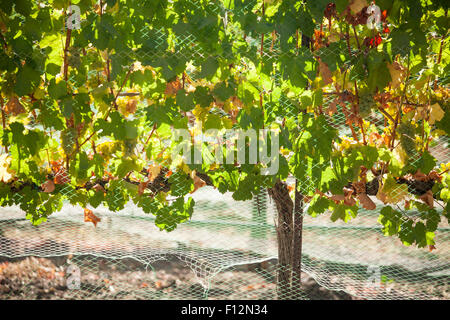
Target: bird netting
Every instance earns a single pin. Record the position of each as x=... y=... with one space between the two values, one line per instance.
x=227 y=250
x=222 y=248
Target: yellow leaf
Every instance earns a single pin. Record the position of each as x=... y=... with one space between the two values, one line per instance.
x=420 y=114
x=334 y=37
x=114 y=8
x=436 y=113
x=5 y=173
x=397 y=72
x=39 y=93
x=104 y=54
x=392 y=192
x=200 y=113
x=227 y=123
x=185 y=168
x=153 y=172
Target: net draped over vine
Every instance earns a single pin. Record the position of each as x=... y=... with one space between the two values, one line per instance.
x=226 y=249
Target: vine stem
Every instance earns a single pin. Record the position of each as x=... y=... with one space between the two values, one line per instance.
x=261 y=94
x=399 y=111
x=354 y=133
x=3 y=117
x=107 y=69
x=118 y=94
x=346 y=114
x=87 y=139
x=347 y=38
x=109 y=110
x=108 y=77
x=66 y=77
x=66 y=50
x=360 y=122
x=361 y=125
x=262 y=35
x=387 y=115
x=123 y=83
x=148 y=139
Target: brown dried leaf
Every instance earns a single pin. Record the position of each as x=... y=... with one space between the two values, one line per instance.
x=131 y=106
x=332 y=109
x=376 y=139
x=360 y=187
x=366 y=202
x=99 y=187
x=407 y=204
x=337 y=198
x=3 y=27
x=14 y=107
x=173 y=87
x=48 y=186
x=142 y=187
x=198 y=183
x=320 y=193
x=61 y=176
x=237 y=102
x=397 y=72
x=433 y=175
x=428 y=198
x=436 y=113
x=325 y=73
x=89 y=216
x=349 y=201
x=420 y=176
x=158 y=285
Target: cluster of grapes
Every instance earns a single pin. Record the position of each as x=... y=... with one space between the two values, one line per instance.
x=107 y=149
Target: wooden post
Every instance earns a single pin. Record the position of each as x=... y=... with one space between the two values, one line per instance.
x=297 y=243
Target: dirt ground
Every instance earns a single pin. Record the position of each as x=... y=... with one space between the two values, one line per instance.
x=53 y=278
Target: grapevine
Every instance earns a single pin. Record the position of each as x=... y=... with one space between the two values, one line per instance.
x=88 y=114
